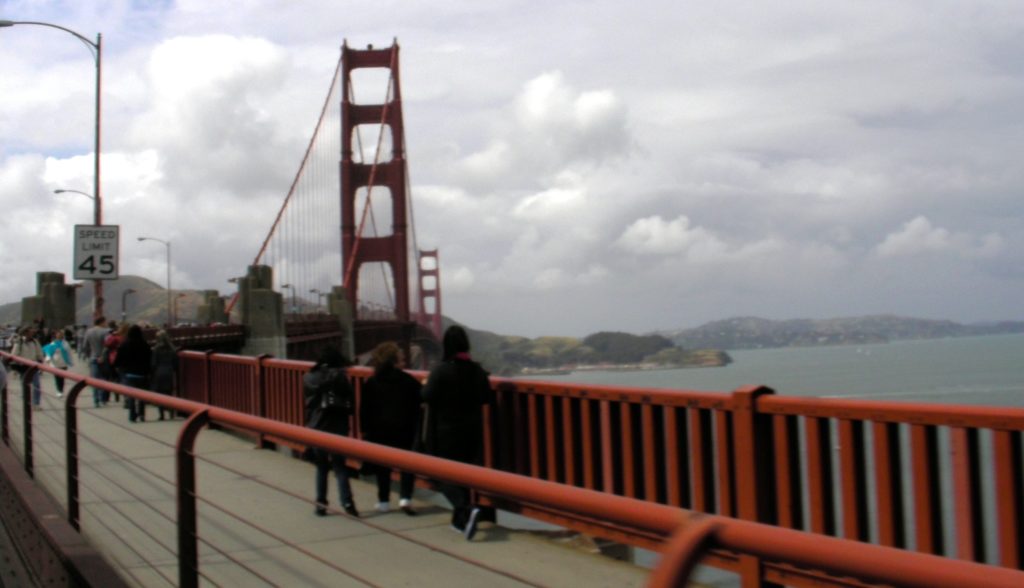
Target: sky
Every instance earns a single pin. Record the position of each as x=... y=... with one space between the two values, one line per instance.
x=581 y=166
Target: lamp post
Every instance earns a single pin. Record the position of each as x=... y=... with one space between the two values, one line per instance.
x=176 y=299
x=96 y=48
x=124 y=300
x=293 y=294
x=167 y=244
x=319 y=296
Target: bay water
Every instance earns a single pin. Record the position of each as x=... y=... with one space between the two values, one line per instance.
x=964 y=370
x=983 y=371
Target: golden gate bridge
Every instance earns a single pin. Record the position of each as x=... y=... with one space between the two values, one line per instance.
x=355 y=170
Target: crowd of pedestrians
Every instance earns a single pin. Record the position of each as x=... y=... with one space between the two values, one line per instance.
x=116 y=353
x=442 y=416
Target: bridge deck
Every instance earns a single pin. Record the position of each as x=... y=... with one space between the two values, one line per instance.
x=129 y=509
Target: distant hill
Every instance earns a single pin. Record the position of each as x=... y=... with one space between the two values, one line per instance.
x=148 y=303
x=511 y=355
x=755 y=333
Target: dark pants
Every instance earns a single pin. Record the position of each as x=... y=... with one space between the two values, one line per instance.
x=406 y=482
x=136 y=408
x=326 y=461
x=58 y=382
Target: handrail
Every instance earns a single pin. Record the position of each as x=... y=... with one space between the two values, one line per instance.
x=864 y=562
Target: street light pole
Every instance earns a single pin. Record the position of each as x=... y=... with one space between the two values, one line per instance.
x=124 y=300
x=293 y=294
x=96 y=48
x=167 y=244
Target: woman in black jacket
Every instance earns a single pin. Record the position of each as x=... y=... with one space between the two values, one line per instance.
x=389 y=413
x=455 y=394
x=328 y=400
x=133 y=364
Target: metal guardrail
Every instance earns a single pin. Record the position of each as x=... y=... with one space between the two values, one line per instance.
x=762 y=553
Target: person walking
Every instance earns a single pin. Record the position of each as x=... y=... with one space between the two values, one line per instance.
x=455 y=393
x=164 y=366
x=96 y=353
x=58 y=354
x=389 y=412
x=133 y=361
x=28 y=347
x=328 y=404
x=117 y=335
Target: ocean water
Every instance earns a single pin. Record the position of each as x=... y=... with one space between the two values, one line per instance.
x=965 y=370
x=984 y=371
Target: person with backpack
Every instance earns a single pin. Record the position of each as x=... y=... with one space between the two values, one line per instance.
x=28 y=347
x=329 y=401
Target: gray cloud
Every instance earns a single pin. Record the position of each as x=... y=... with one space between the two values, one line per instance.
x=622 y=167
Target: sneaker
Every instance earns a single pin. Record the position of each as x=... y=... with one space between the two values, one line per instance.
x=321 y=511
x=474 y=518
x=383 y=507
x=406 y=505
x=60 y=395
x=350 y=509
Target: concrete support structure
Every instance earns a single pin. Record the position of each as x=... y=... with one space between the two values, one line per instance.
x=54 y=302
x=339 y=306
x=262 y=311
x=211 y=310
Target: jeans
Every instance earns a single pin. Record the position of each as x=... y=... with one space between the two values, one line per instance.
x=95 y=371
x=326 y=461
x=136 y=408
x=37 y=390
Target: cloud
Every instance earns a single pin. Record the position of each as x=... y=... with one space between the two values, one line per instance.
x=656 y=236
x=919 y=237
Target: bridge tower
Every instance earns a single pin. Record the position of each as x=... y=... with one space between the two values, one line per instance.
x=358 y=249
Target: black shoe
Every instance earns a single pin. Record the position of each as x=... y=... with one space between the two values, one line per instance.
x=350 y=509
x=321 y=510
x=474 y=518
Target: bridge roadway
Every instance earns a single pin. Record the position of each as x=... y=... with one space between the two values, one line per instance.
x=128 y=513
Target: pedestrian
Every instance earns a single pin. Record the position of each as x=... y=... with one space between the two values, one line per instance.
x=96 y=353
x=164 y=366
x=58 y=354
x=112 y=341
x=328 y=405
x=455 y=393
x=133 y=361
x=389 y=411
x=28 y=347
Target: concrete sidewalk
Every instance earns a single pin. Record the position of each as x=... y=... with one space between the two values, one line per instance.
x=129 y=509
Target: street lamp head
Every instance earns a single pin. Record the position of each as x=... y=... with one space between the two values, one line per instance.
x=6 y=23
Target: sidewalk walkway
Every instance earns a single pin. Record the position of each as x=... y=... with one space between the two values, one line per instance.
x=255 y=504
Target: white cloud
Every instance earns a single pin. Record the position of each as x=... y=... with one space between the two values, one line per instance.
x=656 y=236
x=918 y=237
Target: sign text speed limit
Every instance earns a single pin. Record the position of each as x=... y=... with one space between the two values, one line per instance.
x=96 y=252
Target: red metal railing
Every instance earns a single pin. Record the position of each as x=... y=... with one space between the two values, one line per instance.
x=831 y=466
x=760 y=552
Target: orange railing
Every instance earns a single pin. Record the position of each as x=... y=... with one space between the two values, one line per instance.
x=834 y=467
x=757 y=551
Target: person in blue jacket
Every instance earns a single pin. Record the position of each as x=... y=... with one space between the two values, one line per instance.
x=58 y=354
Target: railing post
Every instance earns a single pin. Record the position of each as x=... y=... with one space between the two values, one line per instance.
x=26 y=413
x=4 y=433
x=207 y=377
x=71 y=452
x=188 y=538
x=260 y=391
x=752 y=440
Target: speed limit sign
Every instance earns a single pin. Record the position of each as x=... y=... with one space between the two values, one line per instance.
x=96 y=252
